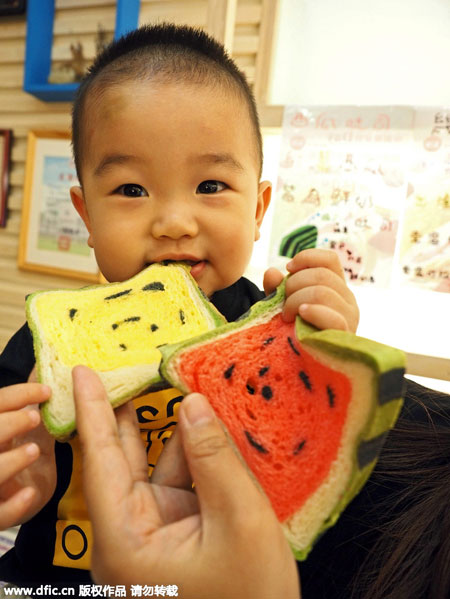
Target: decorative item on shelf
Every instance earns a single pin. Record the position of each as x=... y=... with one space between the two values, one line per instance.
x=73 y=70
x=5 y=153
x=103 y=38
x=53 y=239
x=70 y=71
x=40 y=16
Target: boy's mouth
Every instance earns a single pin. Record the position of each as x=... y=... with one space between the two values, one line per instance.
x=197 y=266
x=188 y=262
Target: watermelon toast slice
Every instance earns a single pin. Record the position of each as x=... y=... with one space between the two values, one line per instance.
x=114 y=329
x=308 y=410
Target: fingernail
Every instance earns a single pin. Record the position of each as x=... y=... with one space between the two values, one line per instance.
x=197 y=410
x=303 y=308
x=32 y=449
x=290 y=264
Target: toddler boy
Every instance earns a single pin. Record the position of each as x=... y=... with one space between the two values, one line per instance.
x=168 y=153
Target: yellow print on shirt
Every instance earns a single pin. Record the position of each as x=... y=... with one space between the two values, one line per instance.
x=157 y=416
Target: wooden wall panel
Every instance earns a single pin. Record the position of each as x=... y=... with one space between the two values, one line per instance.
x=78 y=20
x=22 y=112
x=191 y=13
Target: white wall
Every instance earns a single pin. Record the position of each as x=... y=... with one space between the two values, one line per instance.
x=366 y=52
x=362 y=52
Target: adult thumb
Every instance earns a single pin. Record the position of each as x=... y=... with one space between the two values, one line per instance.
x=221 y=479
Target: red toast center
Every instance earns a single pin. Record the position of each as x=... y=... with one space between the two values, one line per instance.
x=284 y=409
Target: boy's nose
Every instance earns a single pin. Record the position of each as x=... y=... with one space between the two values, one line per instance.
x=174 y=222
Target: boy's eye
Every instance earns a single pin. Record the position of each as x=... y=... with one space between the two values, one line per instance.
x=131 y=190
x=211 y=187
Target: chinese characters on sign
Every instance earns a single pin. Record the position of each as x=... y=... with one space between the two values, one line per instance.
x=349 y=178
x=425 y=240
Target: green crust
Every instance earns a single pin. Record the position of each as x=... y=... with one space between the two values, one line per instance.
x=386 y=363
x=300 y=239
x=64 y=431
x=381 y=359
x=67 y=431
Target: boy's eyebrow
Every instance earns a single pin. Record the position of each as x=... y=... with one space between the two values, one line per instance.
x=221 y=158
x=211 y=158
x=110 y=160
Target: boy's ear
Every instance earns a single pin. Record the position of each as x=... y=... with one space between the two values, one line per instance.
x=77 y=196
x=264 y=195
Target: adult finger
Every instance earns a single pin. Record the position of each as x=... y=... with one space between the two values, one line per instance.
x=130 y=439
x=220 y=477
x=106 y=474
x=172 y=469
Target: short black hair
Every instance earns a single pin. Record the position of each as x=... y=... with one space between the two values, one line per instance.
x=162 y=52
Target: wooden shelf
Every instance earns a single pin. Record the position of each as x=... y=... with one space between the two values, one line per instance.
x=38 y=49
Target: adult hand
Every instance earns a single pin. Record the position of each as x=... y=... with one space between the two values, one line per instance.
x=221 y=542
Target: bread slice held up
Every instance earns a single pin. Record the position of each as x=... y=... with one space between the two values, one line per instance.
x=114 y=329
x=308 y=410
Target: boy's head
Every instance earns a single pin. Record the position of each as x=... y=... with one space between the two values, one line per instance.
x=163 y=54
x=168 y=150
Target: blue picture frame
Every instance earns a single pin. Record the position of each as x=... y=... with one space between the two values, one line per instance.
x=38 y=49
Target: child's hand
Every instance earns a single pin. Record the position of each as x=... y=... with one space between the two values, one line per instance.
x=211 y=543
x=27 y=458
x=316 y=290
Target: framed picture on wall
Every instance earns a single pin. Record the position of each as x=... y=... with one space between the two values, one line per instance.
x=5 y=150
x=53 y=238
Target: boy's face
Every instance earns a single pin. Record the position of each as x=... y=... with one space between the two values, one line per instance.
x=170 y=173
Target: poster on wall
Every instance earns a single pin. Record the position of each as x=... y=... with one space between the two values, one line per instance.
x=342 y=183
x=424 y=259
x=53 y=238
